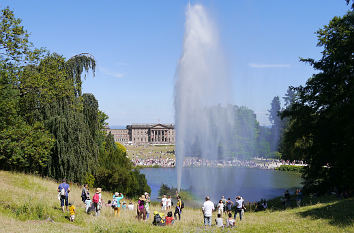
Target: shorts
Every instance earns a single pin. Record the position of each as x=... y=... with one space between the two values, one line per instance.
x=72 y=217
x=66 y=199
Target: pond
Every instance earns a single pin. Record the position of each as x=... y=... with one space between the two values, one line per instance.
x=250 y=183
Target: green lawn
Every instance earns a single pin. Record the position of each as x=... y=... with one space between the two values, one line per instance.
x=27 y=201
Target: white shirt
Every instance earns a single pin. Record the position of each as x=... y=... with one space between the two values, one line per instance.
x=164 y=200
x=168 y=202
x=239 y=204
x=221 y=206
x=131 y=207
x=208 y=208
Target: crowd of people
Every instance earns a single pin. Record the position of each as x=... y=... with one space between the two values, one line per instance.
x=150 y=162
x=95 y=203
x=227 y=209
x=198 y=162
x=223 y=207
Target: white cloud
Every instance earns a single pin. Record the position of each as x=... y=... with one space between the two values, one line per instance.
x=110 y=73
x=261 y=66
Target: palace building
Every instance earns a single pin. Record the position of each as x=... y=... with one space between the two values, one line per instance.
x=139 y=134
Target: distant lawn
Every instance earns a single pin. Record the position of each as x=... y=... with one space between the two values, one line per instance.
x=26 y=203
x=150 y=151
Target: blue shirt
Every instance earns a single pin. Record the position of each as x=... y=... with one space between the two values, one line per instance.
x=64 y=186
x=118 y=199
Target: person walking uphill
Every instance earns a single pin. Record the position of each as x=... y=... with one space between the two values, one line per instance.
x=208 y=208
x=97 y=201
x=63 y=191
x=85 y=193
x=116 y=203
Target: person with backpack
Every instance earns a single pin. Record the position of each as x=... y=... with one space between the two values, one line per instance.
x=63 y=191
x=116 y=203
x=97 y=201
x=179 y=207
x=85 y=193
x=158 y=219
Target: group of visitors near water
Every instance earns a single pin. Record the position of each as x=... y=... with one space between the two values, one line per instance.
x=227 y=208
x=95 y=203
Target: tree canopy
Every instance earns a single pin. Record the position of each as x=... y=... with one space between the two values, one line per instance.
x=321 y=125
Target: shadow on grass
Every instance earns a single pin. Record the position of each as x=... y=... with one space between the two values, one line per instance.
x=340 y=214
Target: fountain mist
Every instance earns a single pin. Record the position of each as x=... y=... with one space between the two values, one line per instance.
x=202 y=87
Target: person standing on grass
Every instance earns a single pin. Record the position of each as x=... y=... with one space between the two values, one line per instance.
x=223 y=199
x=207 y=209
x=298 y=194
x=147 y=205
x=164 y=203
x=97 y=201
x=169 y=203
x=141 y=211
x=116 y=203
x=220 y=207
x=179 y=207
x=64 y=190
x=286 y=199
x=72 y=212
x=229 y=205
x=239 y=207
x=85 y=193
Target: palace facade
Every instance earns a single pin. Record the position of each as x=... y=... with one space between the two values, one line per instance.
x=138 y=134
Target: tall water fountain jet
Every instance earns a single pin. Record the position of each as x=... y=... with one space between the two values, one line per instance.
x=202 y=87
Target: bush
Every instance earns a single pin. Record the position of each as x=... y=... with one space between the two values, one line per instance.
x=290 y=168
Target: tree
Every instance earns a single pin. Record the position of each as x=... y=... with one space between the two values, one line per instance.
x=274 y=118
x=321 y=118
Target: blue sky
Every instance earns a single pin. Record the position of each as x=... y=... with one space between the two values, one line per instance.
x=137 y=44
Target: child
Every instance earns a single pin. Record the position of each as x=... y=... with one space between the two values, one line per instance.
x=221 y=207
x=124 y=206
x=230 y=222
x=169 y=203
x=88 y=204
x=219 y=221
x=131 y=206
x=72 y=212
x=169 y=219
x=109 y=204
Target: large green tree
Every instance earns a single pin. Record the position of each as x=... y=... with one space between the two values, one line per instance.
x=321 y=127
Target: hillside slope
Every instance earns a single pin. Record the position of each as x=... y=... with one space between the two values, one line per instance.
x=29 y=204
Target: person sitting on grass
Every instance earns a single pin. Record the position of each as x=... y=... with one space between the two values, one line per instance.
x=72 y=212
x=219 y=221
x=158 y=219
x=124 y=206
x=169 y=219
x=230 y=222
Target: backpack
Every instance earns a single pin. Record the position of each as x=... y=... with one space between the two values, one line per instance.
x=114 y=203
x=62 y=193
x=157 y=219
x=96 y=198
x=182 y=205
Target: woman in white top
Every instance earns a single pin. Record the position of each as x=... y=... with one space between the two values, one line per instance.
x=220 y=207
x=169 y=202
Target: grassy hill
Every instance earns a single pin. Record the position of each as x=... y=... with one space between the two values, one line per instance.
x=29 y=204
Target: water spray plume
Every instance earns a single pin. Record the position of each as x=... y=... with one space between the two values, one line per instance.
x=202 y=86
